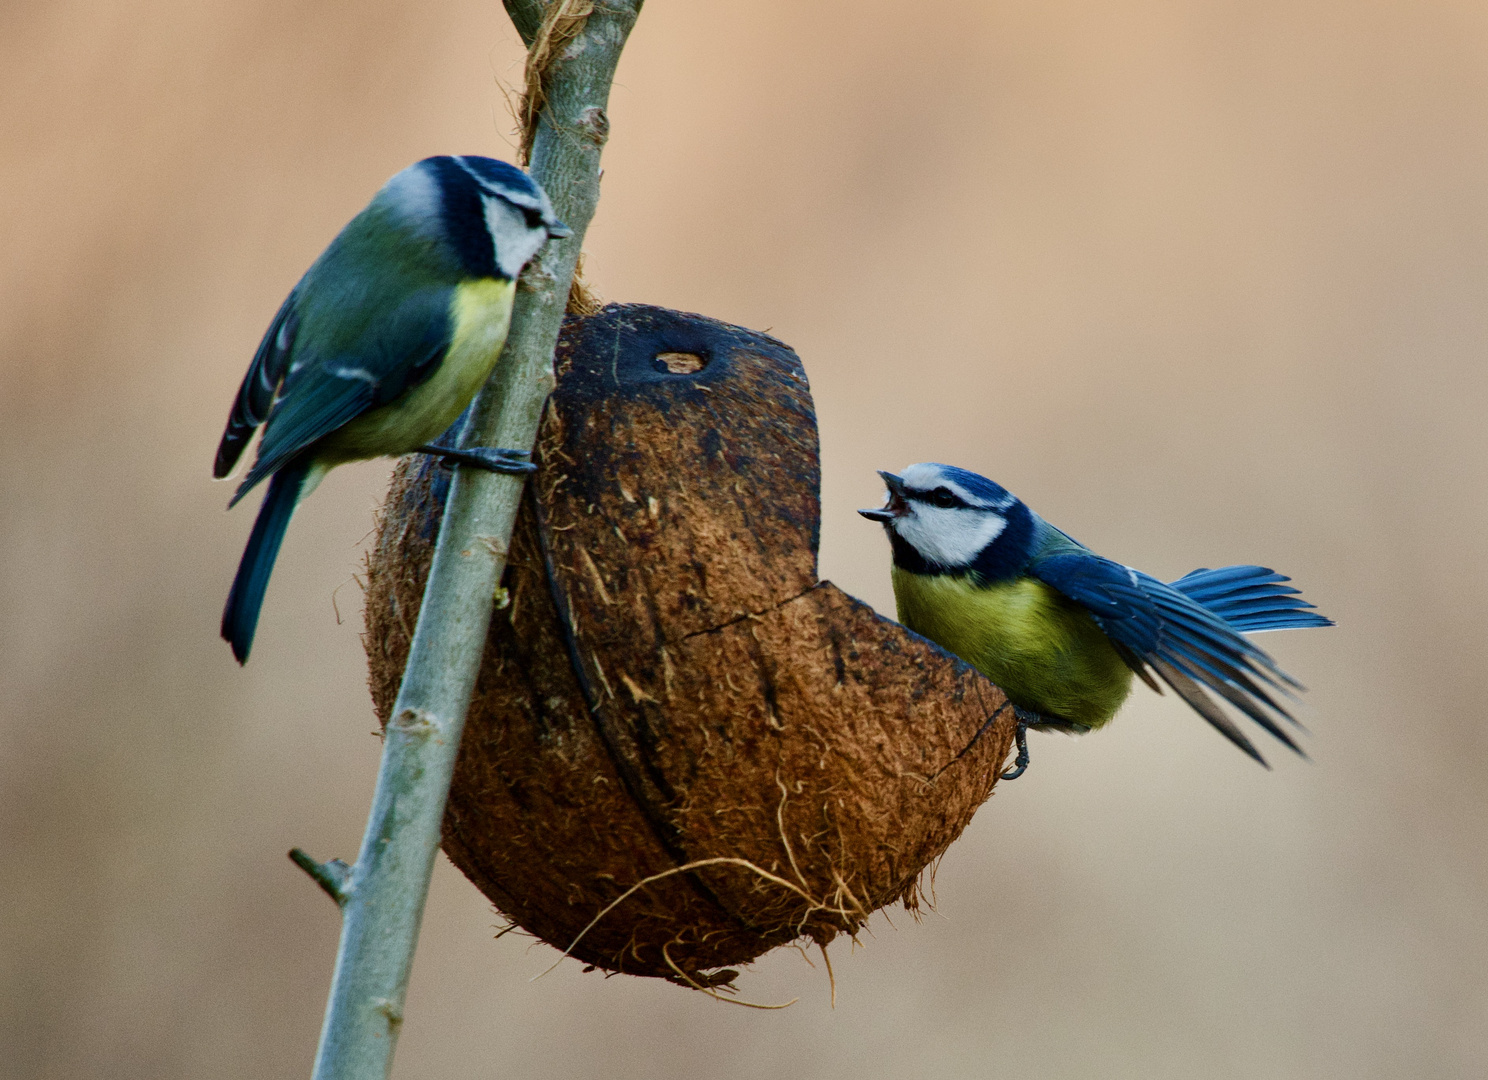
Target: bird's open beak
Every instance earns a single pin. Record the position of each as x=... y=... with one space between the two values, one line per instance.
x=558 y=231
x=896 y=507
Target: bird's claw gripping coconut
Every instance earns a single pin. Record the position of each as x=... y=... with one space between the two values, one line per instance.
x=1020 y=763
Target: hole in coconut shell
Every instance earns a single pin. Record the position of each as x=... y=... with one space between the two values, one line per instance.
x=680 y=363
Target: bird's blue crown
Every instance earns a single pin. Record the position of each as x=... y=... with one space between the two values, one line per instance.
x=491 y=216
x=972 y=488
x=500 y=178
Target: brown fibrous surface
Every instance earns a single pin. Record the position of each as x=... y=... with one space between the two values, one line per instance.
x=668 y=682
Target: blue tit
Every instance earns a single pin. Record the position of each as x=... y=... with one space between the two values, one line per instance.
x=382 y=344
x=1062 y=630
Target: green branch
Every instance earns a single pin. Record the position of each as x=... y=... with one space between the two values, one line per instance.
x=382 y=896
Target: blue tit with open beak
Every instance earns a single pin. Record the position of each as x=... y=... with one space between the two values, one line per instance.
x=1062 y=630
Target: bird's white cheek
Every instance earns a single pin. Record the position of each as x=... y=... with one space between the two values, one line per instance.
x=515 y=242
x=949 y=536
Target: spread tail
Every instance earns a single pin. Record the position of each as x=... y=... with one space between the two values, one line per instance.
x=1250 y=598
x=240 y=616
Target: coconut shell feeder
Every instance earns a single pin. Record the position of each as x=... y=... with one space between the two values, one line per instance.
x=669 y=696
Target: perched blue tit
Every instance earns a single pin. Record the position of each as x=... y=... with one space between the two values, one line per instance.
x=382 y=344
x=1062 y=630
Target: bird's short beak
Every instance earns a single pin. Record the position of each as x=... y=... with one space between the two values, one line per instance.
x=896 y=507
x=558 y=231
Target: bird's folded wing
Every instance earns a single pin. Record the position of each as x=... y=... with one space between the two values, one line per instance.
x=256 y=395
x=326 y=403
x=319 y=393
x=1189 y=646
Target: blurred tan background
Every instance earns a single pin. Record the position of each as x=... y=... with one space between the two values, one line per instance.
x=1204 y=282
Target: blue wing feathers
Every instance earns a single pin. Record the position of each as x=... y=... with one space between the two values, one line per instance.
x=300 y=420
x=1189 y=632
x=1109 y=590
x=1204 y=705
x=256 y=395
x=1199 y=626
x=314 y=393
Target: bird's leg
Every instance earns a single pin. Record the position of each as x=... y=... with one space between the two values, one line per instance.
x=491 y=458
x=1025 y=718
x=1020 y=763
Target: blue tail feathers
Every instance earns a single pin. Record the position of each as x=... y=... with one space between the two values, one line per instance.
x=1250 y=598
x=240 y=616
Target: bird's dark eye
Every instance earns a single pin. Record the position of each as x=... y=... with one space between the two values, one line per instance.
x=534 y=217
x=944 y=497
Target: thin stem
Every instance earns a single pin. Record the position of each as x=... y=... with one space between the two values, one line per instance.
x=333 y=875
x=390 y=880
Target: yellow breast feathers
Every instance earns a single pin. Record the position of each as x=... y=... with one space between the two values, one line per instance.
x=480 y=313
x=1045 y=651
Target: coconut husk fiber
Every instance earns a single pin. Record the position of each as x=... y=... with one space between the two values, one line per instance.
x=668 y=683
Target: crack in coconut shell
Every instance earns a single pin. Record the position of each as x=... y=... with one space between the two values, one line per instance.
x=661 y=830
x=671 y=696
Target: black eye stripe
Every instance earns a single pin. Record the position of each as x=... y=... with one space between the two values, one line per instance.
x=943 y=497
x=533 y=217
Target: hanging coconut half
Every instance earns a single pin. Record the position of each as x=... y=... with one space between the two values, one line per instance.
x=669 y=697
